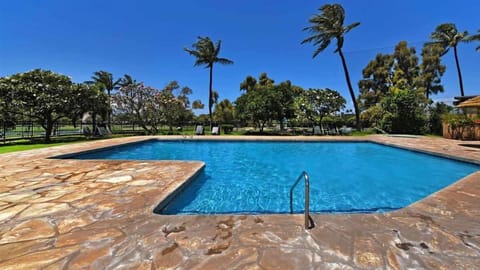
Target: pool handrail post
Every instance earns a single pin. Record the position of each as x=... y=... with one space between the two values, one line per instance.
x=305 y=176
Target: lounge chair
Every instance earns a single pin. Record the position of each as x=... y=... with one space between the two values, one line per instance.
x=317 y=130
x=215 y=131
x=332 y=130
x=87 y=131
x=199 y=130
x=345 y=130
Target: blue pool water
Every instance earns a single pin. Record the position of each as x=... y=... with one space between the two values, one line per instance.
x=255 y=177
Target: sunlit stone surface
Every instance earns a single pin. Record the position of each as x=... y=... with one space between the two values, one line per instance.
x=77 y=214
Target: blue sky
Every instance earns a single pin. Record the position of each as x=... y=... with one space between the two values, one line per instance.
x=146 y=39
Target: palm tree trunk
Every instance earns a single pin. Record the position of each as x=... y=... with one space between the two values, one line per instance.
x=350 y=89
x=108 y=110
x=458 y=70
x=210 y=93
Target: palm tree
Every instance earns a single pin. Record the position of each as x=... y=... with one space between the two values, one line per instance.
x=447 y=35
x=326 y=26
x=206 y=54
x=475 y=37
x=127 y=80
x=105 y=79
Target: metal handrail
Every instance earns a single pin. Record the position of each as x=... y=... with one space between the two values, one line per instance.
x=303 y=175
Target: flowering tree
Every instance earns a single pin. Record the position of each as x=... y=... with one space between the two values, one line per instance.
x=39 y=94
x=150 y=106
x=315 y=104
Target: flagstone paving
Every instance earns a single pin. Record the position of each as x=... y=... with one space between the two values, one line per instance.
x=98 y=214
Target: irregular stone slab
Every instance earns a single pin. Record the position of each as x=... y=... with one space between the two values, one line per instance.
x=70 y=223
x=241 y=258
x=25 y=197
x=93 y=258
x=87 y=235
x=17 y=249
x=168 y=258
x=367 y=253
x=38 y=259
x=117 y=179
x=274 y=258
x=28 y=230
x=142 y=182
x=9 y=212
x=44 y=209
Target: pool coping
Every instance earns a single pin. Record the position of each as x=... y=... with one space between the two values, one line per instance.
x=364 y=249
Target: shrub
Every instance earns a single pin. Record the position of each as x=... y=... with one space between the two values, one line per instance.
x=227 y=128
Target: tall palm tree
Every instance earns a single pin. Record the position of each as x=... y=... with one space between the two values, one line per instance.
x=447 y=35
x=325 y=27
x=105 y=79
x=206 y=54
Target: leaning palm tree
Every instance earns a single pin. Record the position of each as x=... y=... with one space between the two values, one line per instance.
x=127 y=80
x=105 y=79
x=447 y=35
x=326 y=26
x=206 y=54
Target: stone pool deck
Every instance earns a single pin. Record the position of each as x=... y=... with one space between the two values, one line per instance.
x=97 y=214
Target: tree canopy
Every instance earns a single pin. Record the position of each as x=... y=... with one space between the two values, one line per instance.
x=40 y=94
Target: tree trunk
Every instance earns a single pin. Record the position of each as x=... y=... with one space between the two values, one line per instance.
x=109 y=113
x=94 y=122
x=210 y=93
x=48 y=129
x=460 y=81
x=350 y=89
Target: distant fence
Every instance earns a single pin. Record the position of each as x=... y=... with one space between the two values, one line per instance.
x=31 y=130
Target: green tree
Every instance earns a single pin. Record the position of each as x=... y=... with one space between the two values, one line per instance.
x=105 y=79
x=258 y=106
x=405 y=67
x=248 y=84
x=173 y=108
x=255 y=106
x=42 y=95
x=404 y=112
x=315 y=104
x=377 y=80
x=264 y=80
x=435 y=116
x=224 y=112
x=197 y=105
x=206 y=54
x=431 y=70
x=447 y=36
x=88 y=98
x=325 y=27
x=399 y=70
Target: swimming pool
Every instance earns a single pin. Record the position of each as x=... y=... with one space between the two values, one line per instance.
x=255 y=177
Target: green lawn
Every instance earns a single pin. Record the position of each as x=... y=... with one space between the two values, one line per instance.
x=22 y=145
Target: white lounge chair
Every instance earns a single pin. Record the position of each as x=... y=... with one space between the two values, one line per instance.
x=215 y=131
x=345 y=130
x=199 y=130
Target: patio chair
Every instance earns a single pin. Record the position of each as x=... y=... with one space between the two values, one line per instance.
x=215 y=131
x=199 y=130
x=317 y=130
x=86 y=131
x=345 y=130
